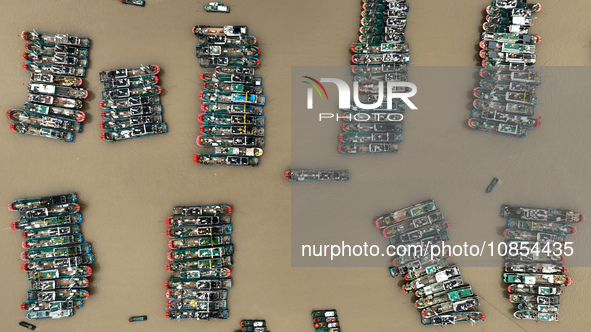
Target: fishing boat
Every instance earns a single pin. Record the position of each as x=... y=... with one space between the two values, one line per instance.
x=379 y=68
x=130 y=102
x=455 y=306
x=58 y=263
x=515 y=108
x=537 y=299
x=540 y=237
x=377 y=14
x=505 y=57
x=44 y=253
x=491 y=185
x=502 y=28
x=198 y=315
x=34 y=130
x=407 y=212
x=31 y=203
x=455 y=294
x=428 y=279
x=52 y=241
x=368 y=148
x=197 y=242
x=65 y=283
x=174 y=221
x=384 y=77
x=368 y=127
x=65 y=113
x=231 y=108
x=184 y=304
x=134 y=111
x=517 y=267
x=384 y=6
x=325 y=319
x=215 y=77
x=497 y=127
x=238 y=98
x=230 y=141
x=234 y=70
x=440 y=286
x=537 y=279
x=519 y=20
x=214 y=159
x=135 y=131
x=173 y=294
x=208 y=50
x=511 y=38
x=49 y=211
x=376 y=116
x=507 y=86
x=150 y=90
x=379 y=48
x=257 y=152
x=55 y=101
x=301 y=175
x=230 y=119
x=542 y=308
x=199 y=284
x=195 y=253
x=541 y=214
x=514 y=4
x=214 y=61
x=426 y=269
x=216 y=7
x=455 y=317
x=324 y=313
x=71 y=81
x=365 y=137
x=537 y=316
x=417 y=264
x=409 y=224
x=493 y=46
x=252 y=323
x=375 y=88
x=372 y=30
x=53 y=314
x=232 y=87
x=66 y=272
x=47 y=39
x=225 y=130
x=114 y=125
x=39 y=68
x=46 y=50
x=437 y=230
x=190 y=231
x=510 y=76
x=108 y=75
x=198 y=264
x=57 y=295
x=534 y=290
x=227 y=40
x=43 y=222
x=384 y=21
x=124 y=82
x=227 y=30
x=520 y=120
x=379 y=58
x=58 y=90
x=220 y=272
x=56 y=59
x=140 y=3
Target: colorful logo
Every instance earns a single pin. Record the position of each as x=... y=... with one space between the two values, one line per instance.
x=310 y=92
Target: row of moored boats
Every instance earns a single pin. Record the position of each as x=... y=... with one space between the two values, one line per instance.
x=534 y=270
x=200 y=260
x=131 y=103
x=380 y=56
x=56 y=257
x=232 y=100
x=506 y=96
x=442 y=295
x=57 y=63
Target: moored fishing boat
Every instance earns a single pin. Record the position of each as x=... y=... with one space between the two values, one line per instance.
x=44 y=253
x=541 y=214
x=215 y=77
x=58 y=295
x=56 y=59
x=521 y=120
x=537 y=316
x=379 y=58
x=34 y=130
x=507 y=86
x=375 y=116
x=379 y=68
x=418 y=264
x=408 y=224
x=52 y=241
x=540 y=237
x=426 y=269
x=506 y=57
x=50 y=305
x=513 y=4
x=534 y=289
x=174 y=221
x=514 y=108
x=66 y=272
x=230 y=141
x=365 y=137
x=368 y=148
x=538 y=299
x=48 y=211
x=216 y=7
x=47 y=39
x=195 y=253
x=197 y=242
x=39 y=68
x=65 y=113
x=507 y=47
x=225 y=130
x=231 y=108
x=55 y=101
x=135 y=131
x=511 y=76
x=134 y=111
x=544 y=308
x=455 y=294
x=239 y=98
x=317 y=175
x=191 y=231
x=377 y=78
x=407 y=212
x=379 y=48
x=440 y=286
x=135 y=72
x=72 y=81
x=54 y=314
x=428 y=279
x=219 y=272
x=58 y=264
x=212 y=62
x=58 y=90
x=227 y=30
x=202 y=210
x=173 y=294
x=198 y=264
x=234 y=70
x=237 y=151
x=130 y=122
x=497 y=127
x=461 y=305
x=125 y=82
x=438 y=229
x=455 y=317
x=511 y=38
x=501 y=28
x=46 y=50
x=227 y=40
x=537 y=279
x=66 y=283
x=213 y=159
x=516 y=267
x=121 y=93
x=43 y=222
x=230 y=119
x=226 y=51
x=198 y=284
x=198 y=315
x=233 y=87
x=183 y=304
x=31 y=203
x=519 y=20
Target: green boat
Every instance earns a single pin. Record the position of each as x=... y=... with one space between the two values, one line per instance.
x=45 y=253
x=195 y=253
x=81 y=53
x=220 y=272
x=125 y=82
x=440 y=286
x=368 y=148
x=252 y=323
x=513 y=7
x=52 y=241
x=72 y=81
x=49 y=211
x=173 y=294
x=514 y=108
x=199 y=284
x=135 y=131
x=30 y=203
x=538 y=299
x=197 y=315
x=377 y=14
x=537 y=279
x=58 y=263
x=511 y=38
x=501 y=28
x=545 y=308
x=212 y=62
x=57 y=295
x=442 y=275
x=455 y=294
x=183 y=304
x=230 y=141
x=140 y=3
x=500 y=117
x=324 y=313
x=51 y=231
x=455 y=317
x=214 y=77
x=108 y=75
x=29 y=129
x=192 y=231
x=519 y=267
x=534 y=290
x=507 y=47
x=497 y=127
x=506 y=96
x=114 y=125
x=542 y=226
x=233 y=87
x=40 y=68
x=202 y=210
x=230 y=119
x=407 y=212
x=51 y=305
x=60 y=283
x=214 y=159
x=199 y=264
x=231 y=130
x=195 y=242
x=537 y=316
x=410 y=224
x=66 y=272
x=508 y=21
x=428 y=269
x=47 y=39
x=237 y=98
x=208 y=50
x=238 y=151
x=70 y=114
x=56 y=59
x=365 y=137
x=174 y=221
x=29 y=118
x=442 y=308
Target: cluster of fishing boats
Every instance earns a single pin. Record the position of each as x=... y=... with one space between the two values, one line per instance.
x=131 y=103
x=232 y=122
x=379 y=56
x=56 y=258
x=258 y=325
x=534 y=270
x=506 y=96
x=57 y=63
x=301 y=175
x=442 y=296
x=200 y=260
x=326 y=320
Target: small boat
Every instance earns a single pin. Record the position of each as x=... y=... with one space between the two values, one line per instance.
x=140 y=3
x=437 y=230
x=191 y=231
x=491 y=185
x=28 y=326
x=507 y=86
x=197 y=264
x=379 y=68
x=428 y=279
x=216 y=7
x=122 y=93
x=52 y=241
x=198 y=242
x=49 y=211
x=379 y=48
x=214 y=159
x=44 y=253
x=202 y=210
x=39 y=68
x=57 y=295
x=230 y=119
x=232 y=87
x=199 y=284
x=375 y=116
x=64 y=113
x=214 y=61
x=534 y=236
x=515 y=108
x=47 y=39
x=537 y=316
x=135 y=131
x=537 y=279
x=326 y=319
x=407 y=212
x=31 y=203
x=67 y=272
x=174 y=221
x=137 y=318
x=509 y=76
x=534 y=290
x=501 y=28
x=324 y=313
x=231 y=108
x=34 y=130
x=541 y=214
x=130 y=102
x=57 y=59
x=121 y=124
x=227 y=40
x=58 y=90
x=53 y=314
x=81 y=53
x=380 y=58
x=364 y=137
x=511 y=38
x=198 y=315
x=516 y=267
x=60 y=283
x=409 y=224
x=455 y=306
x=195 y=253
x=215 y=77
x=227 y=30
x=301 y=175
x=520 y=120
x=134 y=111
x=220 y=272
x=497 y=127
x=230 y=141
x=252 y=323
x=542 y=308
x=208 y=50
x=238 y=98
x=368 y=148
x=251 y=152
x=72 y=81
x=55 y=101
x=43 y=222
x=524 y=298
x=184 y=304
x=514 y=4
x=134 y=72
x=223 y=130
x=124 y=82
x=215 y=295
x=455 y=294
x=455 y=317
x=58 y=263
x=234 y=70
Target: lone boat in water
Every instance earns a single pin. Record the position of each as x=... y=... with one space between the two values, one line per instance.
x=317 y=175
x=216 y=7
